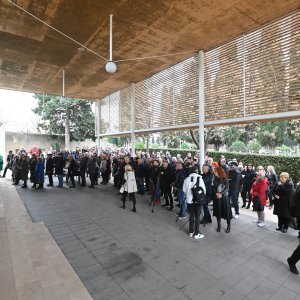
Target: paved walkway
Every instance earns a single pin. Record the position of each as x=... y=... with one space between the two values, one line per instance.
x=122 y=255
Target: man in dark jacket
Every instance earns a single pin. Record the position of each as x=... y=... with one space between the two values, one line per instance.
x=72 y=169
x=59 y=169
x=207 y=177
x=140 y=176
x=9 y=160
x=50 y=168
x=295 y=257
x=24 y=166
x=167 y=177
x=92 y=169
x=247 y=180
x=180 y=177
x=82 y=168
x=234 y=178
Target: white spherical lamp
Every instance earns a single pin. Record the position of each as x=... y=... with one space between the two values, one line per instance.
x=111 y=67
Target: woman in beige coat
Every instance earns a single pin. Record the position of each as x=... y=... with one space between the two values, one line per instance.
x=129 y=187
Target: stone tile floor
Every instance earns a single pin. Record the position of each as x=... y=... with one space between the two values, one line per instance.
x=119 y=254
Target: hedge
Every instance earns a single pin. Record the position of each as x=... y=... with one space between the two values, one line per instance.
x=288 y=164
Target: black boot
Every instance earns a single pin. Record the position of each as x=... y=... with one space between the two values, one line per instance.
x=228 y=227
x=219 y=226
x=123 y=205
x=134 y=210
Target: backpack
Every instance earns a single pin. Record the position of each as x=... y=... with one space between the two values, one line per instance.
x=199 y=196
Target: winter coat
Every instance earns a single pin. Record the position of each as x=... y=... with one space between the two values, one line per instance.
x=91 y=166
x=167 y=177
x=40 y=175
x=140 y=171
x=221 y=206
x=296 y=205
x=130 y=182
x=59 y=166
x=283 y=205
x=208 y=178
x=189 y=182
x=83 y=164
x=234 y=179
x=32 y=167
x=24 y=165
x=155 y=174
x=272 y=178
x=72 y=168
x=180 y=177
x=248 y=178
x=260 y=189
x=49 y=166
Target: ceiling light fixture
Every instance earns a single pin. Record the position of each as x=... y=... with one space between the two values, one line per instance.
x=110 y=66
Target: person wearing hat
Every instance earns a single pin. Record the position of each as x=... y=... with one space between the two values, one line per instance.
x=130 y=187
x=49 y=168
x=234 y=178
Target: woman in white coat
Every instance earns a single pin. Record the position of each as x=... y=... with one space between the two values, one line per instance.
x=193 y=207
x=129 y=187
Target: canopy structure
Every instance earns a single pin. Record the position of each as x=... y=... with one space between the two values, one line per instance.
x=33 y=55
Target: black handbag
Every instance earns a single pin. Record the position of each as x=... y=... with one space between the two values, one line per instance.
x=257 y=205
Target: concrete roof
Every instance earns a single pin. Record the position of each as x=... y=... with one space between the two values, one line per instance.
x=33 y=55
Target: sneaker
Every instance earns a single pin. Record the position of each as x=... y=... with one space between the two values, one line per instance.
x=181 y=217
x=199 y=236
x=191 y=234
x=261 y=224
x=293 y=267
x=255 y=221
x=236 y=216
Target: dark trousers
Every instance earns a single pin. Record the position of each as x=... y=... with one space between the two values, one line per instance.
x=206 y=214
x=131 y=198
x=234 y=196
x=147 y=182
x=140 y=185
x=283 y=222
x=219 y=222
x=50 y=179
x=246 y=191
x=194 y=221
x=92 y=179
x=5 y=170
x=167 y=191
x=295 y=256
x=105 y=177
x=82 y=176
x=72 y=179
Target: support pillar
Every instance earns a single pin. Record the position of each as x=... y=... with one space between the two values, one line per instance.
x=132 y=119
x=201 y=109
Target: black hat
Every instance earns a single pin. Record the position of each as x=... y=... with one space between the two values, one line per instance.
x=233 y=163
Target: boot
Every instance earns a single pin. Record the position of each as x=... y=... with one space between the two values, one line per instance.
x=228 y=227
x=134 y=210
x=123 y=205
x=219 y=226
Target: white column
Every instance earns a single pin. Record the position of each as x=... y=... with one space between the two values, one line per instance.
x=97 y=124
x=132 y=119
x=201 y=108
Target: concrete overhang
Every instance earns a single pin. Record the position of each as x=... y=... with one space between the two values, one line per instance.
x=33 y=55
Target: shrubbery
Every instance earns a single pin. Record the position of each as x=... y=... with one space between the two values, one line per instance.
x=280 y=163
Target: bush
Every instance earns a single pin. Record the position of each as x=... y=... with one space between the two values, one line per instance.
x=254 y=147
x=140 y=145
x=185 y=146
x=238 y=146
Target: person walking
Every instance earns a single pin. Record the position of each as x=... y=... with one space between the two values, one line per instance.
x=9 y=161
x=283 y=200
x=221 y=201
x=191 y=182
x=234 y=179
x=130 y=187
x=259 y=195
x=50 y=169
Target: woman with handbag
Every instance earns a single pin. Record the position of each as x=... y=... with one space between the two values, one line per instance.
x=284 y=192
x=129 y=187
x=258 y=194
x=221 y=201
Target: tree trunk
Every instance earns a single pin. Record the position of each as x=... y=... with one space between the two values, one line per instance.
x=194 y=138
x=67 y=129
x=207 y=138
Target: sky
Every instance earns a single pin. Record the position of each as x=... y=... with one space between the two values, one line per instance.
x=16 y=111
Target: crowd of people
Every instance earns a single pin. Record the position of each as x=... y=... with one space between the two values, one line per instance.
x=172 y=180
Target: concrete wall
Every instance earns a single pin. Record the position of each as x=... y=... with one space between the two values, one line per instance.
x=15 y=140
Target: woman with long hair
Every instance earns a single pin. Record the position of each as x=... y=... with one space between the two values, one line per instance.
x=221 y=202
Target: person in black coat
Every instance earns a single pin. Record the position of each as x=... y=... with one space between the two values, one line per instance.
x=32 y=168
x=207 y=177
x=283 y=201
x=234 y=179
x=50 y=168
x=167 y=178
x=83 y=161
x=248 y=176
x=180 y=177
x=221 y=201
x=72 y=170
x=59 y=169
x=295 y=257
x=140 y=176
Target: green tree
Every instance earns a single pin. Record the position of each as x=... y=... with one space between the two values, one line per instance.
x=238 y=146
x=53 y=113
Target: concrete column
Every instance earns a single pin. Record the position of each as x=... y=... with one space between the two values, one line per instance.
x=132 y=119
x=201 y=108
